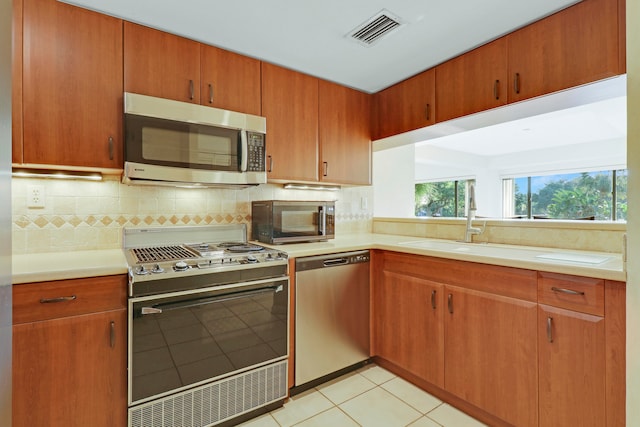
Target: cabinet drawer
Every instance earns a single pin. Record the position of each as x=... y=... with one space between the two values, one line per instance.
x=576 y=293
x=49 y=300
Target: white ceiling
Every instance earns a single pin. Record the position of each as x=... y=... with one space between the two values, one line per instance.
x=309 y=36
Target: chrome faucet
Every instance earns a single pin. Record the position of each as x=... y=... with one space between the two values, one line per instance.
x=471 y=214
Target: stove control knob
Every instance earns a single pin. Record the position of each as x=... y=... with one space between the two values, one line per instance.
x=157 y=269
x=252 y=259
x=181 y=266
x=141 y=271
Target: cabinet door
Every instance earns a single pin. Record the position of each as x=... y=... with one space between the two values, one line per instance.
x=16 y=82
x=472 y=82
x=161 y=64
x=71 y=371
x=229 y=80
x=290 y=104
x=572 y=47
x=407 y=105
x=344 y=133
x=408 y=328
x=572 y=368
x=491 y=353
x=72 y=86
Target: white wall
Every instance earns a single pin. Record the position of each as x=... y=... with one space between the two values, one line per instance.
x=393 y=182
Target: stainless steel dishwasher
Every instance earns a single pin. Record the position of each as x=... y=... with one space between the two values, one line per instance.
x=332 y=314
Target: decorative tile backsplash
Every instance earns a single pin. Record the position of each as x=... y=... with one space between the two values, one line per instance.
x=79 y=215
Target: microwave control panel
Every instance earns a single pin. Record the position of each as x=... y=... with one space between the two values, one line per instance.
x=255 y=143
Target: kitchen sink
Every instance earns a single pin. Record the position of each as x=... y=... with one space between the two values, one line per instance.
x=505 y=251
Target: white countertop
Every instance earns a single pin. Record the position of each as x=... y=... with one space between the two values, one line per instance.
x=69 y=265
x=43 y=267
x=526 y=257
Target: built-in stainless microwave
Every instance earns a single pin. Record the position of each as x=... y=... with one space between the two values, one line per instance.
x=280 y=221
x=178 y=143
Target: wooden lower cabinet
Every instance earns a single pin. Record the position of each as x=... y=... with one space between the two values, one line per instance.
x=69 y=371
x=571 y=349
x=485 y=343
x=409 y=331
x=490 y=353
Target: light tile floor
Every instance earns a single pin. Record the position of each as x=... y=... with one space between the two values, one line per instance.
x=369 y=397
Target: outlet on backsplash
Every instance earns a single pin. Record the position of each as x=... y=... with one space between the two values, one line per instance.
x=35 y=197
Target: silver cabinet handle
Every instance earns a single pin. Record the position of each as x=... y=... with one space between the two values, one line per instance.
x=210 y=93
x=270 y=168
x=496 y=89
x=549 y=329
x=450 y=303
x=567 y=291
x=325 y=168
x=110 y=148
x=57 y=299
x=428 y=111
x=516 y=83
x=433 y=299
x=191 y=90
x=112 y=334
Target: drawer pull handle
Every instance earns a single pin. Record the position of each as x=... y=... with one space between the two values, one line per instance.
x=112 y=334
x=549 y=329
x=450 y=303
x=191 y=90
x=58 y=299
x=428 y=112
x=433 y=299
x=496 y=89
x=567 y=291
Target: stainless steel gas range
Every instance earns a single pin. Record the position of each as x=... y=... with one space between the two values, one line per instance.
x=208 y=322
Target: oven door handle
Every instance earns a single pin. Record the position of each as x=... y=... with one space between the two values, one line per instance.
x=160 y=308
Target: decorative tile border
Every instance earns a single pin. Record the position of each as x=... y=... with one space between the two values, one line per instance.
x=118 y=221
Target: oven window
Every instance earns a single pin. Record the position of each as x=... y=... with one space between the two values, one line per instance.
x=195 y=338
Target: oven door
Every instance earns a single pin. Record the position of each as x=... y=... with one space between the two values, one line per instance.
x=183 y=339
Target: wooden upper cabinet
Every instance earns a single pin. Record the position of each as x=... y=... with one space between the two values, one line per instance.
x=161 y=64
x=406 y=106
x=572 y=363
x=472 y=82
x=575 y=46
x=72 y=86
x=344 y=134
x=16 y=83
x=229 y=80
x=290 y=105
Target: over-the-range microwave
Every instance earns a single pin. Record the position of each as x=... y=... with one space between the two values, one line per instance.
x=280 y=221
x=170 y=142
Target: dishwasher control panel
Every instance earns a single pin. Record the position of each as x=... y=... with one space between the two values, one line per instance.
x=332 y=260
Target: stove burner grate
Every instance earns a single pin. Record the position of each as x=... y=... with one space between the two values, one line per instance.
x=161 y=253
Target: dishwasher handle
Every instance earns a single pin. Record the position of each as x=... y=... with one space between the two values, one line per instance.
x=335 y=261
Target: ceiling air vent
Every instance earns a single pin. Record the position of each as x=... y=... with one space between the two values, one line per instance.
x=376 y=28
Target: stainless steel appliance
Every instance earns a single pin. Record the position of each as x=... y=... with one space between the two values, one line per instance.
x=282 y=221
x=332 y=314
x=208 y=326
x=178 y=143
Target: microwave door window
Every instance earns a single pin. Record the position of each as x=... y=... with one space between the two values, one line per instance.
x=167 y=143
x=303 y=222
